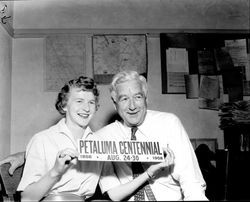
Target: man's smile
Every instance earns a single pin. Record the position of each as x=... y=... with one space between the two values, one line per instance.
x=132 y=113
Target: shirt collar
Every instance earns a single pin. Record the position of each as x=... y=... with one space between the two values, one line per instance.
x=62 y=127
x=141 y=128
x=144 y=123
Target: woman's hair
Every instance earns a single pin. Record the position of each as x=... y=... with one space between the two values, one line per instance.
x=83 y=83
x=127 y=76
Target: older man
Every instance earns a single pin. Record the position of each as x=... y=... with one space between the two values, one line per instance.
x=184 y=181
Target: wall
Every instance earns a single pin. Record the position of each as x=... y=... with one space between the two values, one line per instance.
x=199 y=123
x=33 y=109
x=132 y=14
x=5 y=91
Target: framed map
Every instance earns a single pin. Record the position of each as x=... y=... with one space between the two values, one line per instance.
x=114 y=53
x=64 y=60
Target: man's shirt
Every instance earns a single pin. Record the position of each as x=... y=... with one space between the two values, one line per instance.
x=185 y=182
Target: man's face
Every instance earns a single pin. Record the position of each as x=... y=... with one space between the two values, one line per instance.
x=80 y=108
x=131 y=102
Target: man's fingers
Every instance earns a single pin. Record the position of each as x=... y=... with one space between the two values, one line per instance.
x=13 y=166
x=7 y=160
x=167 y=165
x=169 y=155
x=11 y=170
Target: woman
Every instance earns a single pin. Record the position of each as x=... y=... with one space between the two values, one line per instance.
x=51 y=156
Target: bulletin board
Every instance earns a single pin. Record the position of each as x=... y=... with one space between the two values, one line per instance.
x=205 y=66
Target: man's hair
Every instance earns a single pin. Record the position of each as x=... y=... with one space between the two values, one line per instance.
x=124 y=76
x=83 y=83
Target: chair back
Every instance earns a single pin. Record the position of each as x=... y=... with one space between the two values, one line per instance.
x=10 y=182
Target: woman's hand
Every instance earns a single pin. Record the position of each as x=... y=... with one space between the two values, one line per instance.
x=64 y=160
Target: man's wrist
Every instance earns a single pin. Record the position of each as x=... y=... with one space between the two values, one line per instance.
x=150 y=175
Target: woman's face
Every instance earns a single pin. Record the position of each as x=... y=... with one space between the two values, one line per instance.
x=80 y=108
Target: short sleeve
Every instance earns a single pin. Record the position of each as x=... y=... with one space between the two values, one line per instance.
x=34 y=167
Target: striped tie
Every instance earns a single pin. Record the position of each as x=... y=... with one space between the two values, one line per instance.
x=137 y=169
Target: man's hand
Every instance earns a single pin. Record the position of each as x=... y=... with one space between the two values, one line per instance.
x=16 y=160
x=166 y=165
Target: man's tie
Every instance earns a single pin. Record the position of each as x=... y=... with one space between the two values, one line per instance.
x=137 y=169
